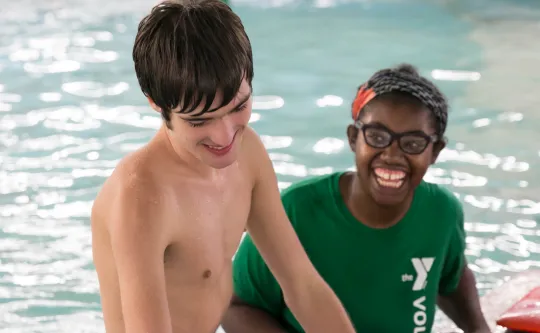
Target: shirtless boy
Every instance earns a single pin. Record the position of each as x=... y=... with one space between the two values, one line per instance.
x=167 y=222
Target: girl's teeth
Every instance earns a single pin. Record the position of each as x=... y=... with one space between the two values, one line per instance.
x=392 y=184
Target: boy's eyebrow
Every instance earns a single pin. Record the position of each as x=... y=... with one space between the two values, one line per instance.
x=242 y=101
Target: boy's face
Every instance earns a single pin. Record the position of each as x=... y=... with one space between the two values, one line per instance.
x=214 y=137
x=390 y=174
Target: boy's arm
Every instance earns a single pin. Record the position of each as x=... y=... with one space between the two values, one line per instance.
x=313 y=303
x=138 y=240
x=257 y=300
x=458 y=296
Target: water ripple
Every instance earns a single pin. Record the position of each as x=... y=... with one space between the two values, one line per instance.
x=329 y=146
x=94 y=89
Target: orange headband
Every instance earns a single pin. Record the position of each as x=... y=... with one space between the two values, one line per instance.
x=362 y=98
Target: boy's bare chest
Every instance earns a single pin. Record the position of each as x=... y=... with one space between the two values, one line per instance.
x=212 y=220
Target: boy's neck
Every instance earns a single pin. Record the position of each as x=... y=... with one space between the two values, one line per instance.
x=181 y=158
x=366 y=210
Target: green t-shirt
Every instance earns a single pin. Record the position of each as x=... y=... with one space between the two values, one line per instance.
x=387 y=279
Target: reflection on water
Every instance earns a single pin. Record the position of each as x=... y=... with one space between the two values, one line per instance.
x=70 y=108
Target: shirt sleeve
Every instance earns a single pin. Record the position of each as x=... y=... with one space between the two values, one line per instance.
x=253 y=282
x=455 y=258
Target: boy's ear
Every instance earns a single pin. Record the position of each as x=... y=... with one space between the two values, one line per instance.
x=153 y=105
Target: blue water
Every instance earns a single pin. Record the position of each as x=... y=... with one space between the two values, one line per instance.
x=70 y=108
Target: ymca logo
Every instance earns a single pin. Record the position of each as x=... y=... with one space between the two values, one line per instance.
x=422 y=266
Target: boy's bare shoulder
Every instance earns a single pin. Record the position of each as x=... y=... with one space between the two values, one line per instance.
x=251 y=142
x=254 y=153
x=131 y=195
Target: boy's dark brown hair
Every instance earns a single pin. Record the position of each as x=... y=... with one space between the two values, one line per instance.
x=186 y=51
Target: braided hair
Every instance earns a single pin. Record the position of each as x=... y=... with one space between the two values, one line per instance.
x=403 y=78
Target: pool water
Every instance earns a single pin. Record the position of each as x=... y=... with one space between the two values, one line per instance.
x=70 y=108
